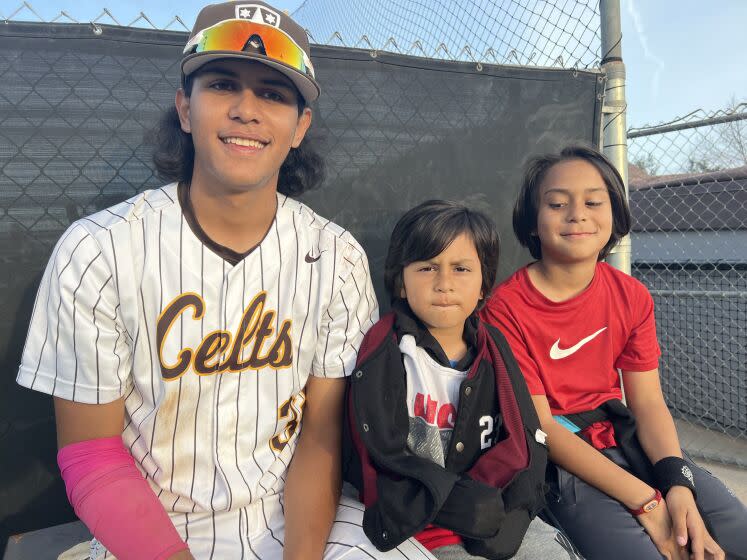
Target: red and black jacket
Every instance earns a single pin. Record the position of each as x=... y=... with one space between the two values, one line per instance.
x=487 y=496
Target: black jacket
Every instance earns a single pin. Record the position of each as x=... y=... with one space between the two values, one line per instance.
x=487 y=496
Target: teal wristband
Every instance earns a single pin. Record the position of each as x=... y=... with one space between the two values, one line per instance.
x=567 y=424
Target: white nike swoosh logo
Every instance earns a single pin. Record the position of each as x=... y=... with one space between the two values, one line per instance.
x=558 y=353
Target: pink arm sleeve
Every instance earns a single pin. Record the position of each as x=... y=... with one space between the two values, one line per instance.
x=115 y=502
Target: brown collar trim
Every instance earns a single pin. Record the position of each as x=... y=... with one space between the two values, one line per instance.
x=229 y=255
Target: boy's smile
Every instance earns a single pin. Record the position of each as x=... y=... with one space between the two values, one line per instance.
x=574 y=221
x=244 y=119
x=252 y=142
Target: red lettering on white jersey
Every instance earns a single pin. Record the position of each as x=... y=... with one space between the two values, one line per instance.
x=442 y=416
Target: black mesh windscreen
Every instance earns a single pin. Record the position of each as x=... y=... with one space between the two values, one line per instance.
x=76 y=100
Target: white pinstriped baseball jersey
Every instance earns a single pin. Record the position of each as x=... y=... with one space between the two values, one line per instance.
x=211 y=349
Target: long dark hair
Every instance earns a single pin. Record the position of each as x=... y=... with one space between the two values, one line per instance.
x=527 y=202
x=174 y=153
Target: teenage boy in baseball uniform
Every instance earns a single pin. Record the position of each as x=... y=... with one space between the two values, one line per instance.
x=196 y=337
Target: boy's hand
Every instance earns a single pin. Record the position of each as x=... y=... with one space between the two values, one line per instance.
x=688 y=525
x=658 y=524
x=472 y=509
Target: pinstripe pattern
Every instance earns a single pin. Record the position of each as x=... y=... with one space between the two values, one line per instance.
x=181 y=342
x=199 y=389
x=96 y=341
x=261 y=537
x=109 y=322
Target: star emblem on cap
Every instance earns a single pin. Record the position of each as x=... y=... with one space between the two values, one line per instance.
x=258 y=14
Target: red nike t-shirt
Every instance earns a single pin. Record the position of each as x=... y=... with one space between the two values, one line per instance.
x=570 y=351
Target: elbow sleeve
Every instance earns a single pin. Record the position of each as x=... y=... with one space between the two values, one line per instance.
x=112 y=498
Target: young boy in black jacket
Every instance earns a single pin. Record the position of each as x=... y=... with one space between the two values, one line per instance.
x=441 y=439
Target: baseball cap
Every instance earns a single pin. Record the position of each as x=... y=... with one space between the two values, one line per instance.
x=256 y=31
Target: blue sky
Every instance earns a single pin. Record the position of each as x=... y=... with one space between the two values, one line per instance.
x=680 y=55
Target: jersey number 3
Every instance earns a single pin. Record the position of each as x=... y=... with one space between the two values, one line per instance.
x=290 y=411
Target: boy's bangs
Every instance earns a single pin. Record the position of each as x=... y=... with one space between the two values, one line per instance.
x=430 y=237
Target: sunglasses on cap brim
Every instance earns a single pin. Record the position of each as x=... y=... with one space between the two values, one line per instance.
x=238 y=35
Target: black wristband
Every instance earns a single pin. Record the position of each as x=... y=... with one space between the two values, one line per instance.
x=673 y=471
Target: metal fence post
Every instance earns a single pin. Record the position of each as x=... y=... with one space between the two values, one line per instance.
x=614 y=138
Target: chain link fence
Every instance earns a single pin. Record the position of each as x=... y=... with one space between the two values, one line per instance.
x=77 y=99
x=563 y=33
x=688 y=195
x=688 y=177
x=25 y=11
x=560 y=33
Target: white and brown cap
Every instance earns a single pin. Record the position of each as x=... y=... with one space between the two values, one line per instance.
x=263 y=14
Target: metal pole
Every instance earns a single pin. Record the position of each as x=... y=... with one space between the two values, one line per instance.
x=661 y=129
x=614 y=140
